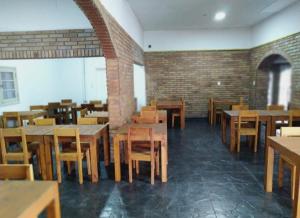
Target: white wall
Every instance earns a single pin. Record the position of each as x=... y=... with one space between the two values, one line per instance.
x=197 y=40
x=124 y=15
x=282 y=24
x=49 y=80
x=31 y=15
x=139 y=85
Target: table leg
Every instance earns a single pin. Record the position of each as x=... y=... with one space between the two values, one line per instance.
x=117 y=159
x=232 y=134
x=94 y=159
x=214 y=115
x=223 y=124
x=269 y=167
x=48 y=157
x=106 y=146
x=182 y=118
x=53 y=210
x=164 y=177
x=296 y=203
x=269 y=124
x=43 y=160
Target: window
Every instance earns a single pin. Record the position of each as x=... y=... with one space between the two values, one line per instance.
x=8 y=86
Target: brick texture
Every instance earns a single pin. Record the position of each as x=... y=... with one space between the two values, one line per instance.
x=193 y=75
x=49 y=44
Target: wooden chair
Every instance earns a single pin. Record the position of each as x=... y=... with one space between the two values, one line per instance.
x=210 y=110
x=87 y=121
x=240 y=107
x=275 y=107
x=66 y=101
x=95 y=102
x=54 y=111
x=16 y=172
x=141 y=147
x=148 y=108
x=293 y=115
x=286 y=162
x=45 y=122
x=83 y=112
x=148 y=117
x=70 y=155
x=38 y=107
x=11 y=116
x=90 y=107
x=244 y=129
x=153 y=103
x=17 y=135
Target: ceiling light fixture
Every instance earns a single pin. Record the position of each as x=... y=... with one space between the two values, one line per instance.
x=220 y=16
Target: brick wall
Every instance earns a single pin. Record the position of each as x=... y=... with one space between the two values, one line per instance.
x=49 y=44
x=193 y=75
x=288 y=47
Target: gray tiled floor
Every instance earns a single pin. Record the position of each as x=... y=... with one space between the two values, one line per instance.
x=205 y=180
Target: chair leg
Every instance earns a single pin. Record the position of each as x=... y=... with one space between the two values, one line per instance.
x=238 y=143
x=80 y=174
x=157 y=164
x=173 y=121
x=69 y=167
x=280 y=173
x=137 y=167
x=255 y=143
x=88 y=161
x=58 y=170
x=293 y=182
x=152 y=171
x=130 y=170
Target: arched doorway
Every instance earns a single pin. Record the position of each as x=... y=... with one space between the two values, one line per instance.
x=273 y=81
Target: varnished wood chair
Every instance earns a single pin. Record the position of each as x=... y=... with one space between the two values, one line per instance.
x=45 y=122
x=148 y=108
x=94 y=102
x=239 y=107
x=293 y=116
x=16 y=172
x=16 y=135
x=177 y=113
x=286 y=162
x=83 y=112
x=141 y=147
x=210 y=110
x=246 y=129
x=148 y=117
x=275 y=107
x=87 y=121
x=38 y=107
x=13 y=117
x=153 y=103
x=66 y=101
x=70 y=155
x=54 y=111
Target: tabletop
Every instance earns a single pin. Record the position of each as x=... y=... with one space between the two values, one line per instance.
x=17 y=196
x=290 y=145
x=260 y=113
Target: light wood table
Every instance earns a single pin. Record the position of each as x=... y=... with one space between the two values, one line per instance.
x=220 y=103
x=289 y=147
x=102 y=116
x=162 y=116
x=25 y=199
x=165 y=105
x=88 y=133
x=160 y=134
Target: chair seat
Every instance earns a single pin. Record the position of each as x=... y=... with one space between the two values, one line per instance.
x=248 y=131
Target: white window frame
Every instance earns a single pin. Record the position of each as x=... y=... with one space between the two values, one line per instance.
x=14 y=100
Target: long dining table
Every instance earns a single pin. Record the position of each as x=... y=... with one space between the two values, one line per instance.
x=88 y=133
x=267 y=116
x=160 y=134
x=290 y=148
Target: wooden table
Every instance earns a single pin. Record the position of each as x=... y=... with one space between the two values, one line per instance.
x=176 y=105
x=78 y=108
x=289 y=147
x=264 y=116
x=30 y=115
x=25 y=199
x=160 y=134
x=102 y=116
x=88 y=133
x=220 y=103
x=162 y=116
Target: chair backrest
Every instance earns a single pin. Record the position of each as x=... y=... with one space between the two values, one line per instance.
x=148 y=108
x=153 y=103
x=95 y=102
x=45 y=122
x=148 y=117
x=241 y=100
x=16 y=172
x=290 y=131
x=240 y=107
x=87 y=121
x=293 y=114
x=249 y=116
x=17 y=135
x=60 y=133
x=13 y=117
x=275 y=107
x=66 y=101
x=83 y=112
x=140 y=134
x=90 y=107
x=38 y=107
x=53 y=107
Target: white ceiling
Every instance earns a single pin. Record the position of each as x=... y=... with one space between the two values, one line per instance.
x=199 y=14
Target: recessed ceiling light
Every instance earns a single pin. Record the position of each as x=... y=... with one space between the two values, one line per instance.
x=220 y=16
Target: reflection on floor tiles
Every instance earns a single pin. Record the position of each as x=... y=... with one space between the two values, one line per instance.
x=205 y=180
